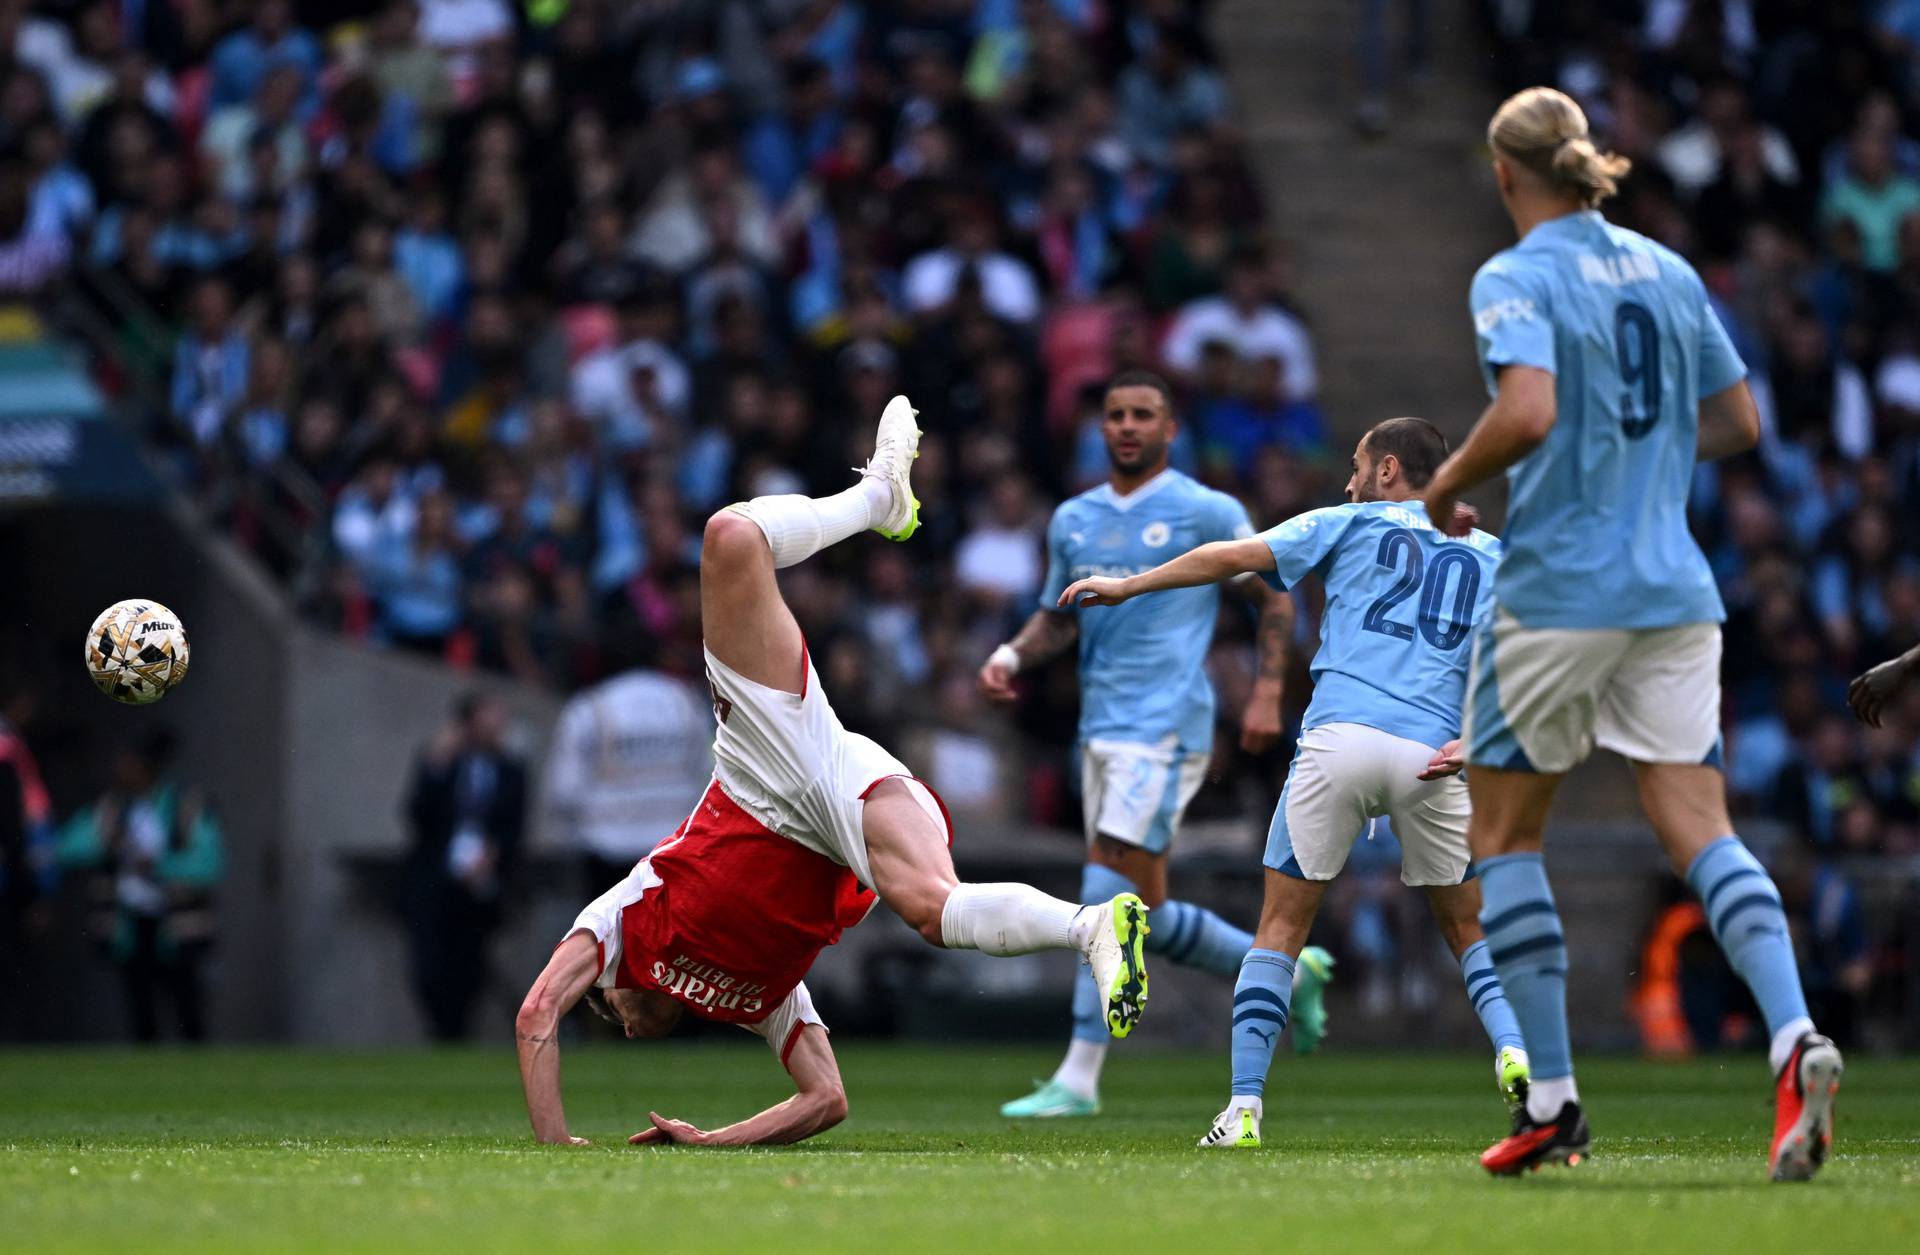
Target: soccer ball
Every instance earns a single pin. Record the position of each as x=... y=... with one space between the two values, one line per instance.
x=136 y=651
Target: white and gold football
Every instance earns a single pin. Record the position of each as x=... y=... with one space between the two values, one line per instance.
x=136 y=651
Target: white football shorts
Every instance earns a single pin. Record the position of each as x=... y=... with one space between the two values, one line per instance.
x=1540 y=699
x=1344 y=776
x=788 y=761
x=1137 y=793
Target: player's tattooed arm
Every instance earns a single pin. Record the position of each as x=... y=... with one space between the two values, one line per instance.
x=1045 y=636
x=1260 y=723
x=819 y=1103
x=536 y=1032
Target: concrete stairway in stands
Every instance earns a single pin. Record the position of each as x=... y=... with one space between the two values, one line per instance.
x=1385 y=233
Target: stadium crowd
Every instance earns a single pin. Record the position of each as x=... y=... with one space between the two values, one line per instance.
x=482 y=310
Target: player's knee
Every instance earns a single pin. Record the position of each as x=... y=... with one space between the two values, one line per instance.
x=731 y=537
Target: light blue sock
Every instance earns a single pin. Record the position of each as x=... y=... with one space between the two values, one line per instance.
x=1261 y=1000
x=1488 y=998
x=1196 y=937
x=1097 y=884
x=1530 y=953
x=1743 y=909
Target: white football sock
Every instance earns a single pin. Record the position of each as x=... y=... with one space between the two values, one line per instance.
x=1545 y=1098
x=1005 y=918
x=798 y=527
x=1080 y=1070
x=1785 y=1040
x=1246 y=1102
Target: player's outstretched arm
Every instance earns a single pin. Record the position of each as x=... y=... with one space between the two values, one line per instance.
x=1729 y=423
x=1521 y=416
x=819 y=1103
x=1208 y=564
x=536 y=1032
x=1871 y=691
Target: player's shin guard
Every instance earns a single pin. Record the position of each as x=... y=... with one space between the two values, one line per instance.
x=1097 y=884
x=1529 y=952
x=1743 y=909
x=1489 y=999
x=1261 y=998
x=798 y=527
x=1005 y=918
x=1196 y=937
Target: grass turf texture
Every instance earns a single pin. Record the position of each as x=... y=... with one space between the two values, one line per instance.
x=233 y=1150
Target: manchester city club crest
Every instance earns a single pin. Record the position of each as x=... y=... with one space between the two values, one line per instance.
x=1155 y=534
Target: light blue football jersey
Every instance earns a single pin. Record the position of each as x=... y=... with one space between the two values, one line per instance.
x=1143 y=673
x=1596 y=533
x=1402 y=603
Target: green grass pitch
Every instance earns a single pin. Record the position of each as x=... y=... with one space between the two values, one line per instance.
x=232 y=1150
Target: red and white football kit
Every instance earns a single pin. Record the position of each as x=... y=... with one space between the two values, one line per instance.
x=727 y=915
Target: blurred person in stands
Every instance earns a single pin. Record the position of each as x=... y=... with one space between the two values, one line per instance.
x=33 y=252
x=1829 y=921
x=466 y=810
x=1245 y=318
x=153 y=851
x=629 y=760
x=28 y=873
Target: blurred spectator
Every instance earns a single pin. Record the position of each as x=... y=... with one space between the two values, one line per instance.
x=628 y=754
x=210 y=364
x=1829 y=922
x=1002 y=283
x=270 y=40
x=1375 y=58
x=466 y=813
x=34 y=247
x=153 y=853
x=1246 y=321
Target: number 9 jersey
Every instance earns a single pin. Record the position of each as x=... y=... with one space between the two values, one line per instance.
x=1596 y=533
x=1402 y=604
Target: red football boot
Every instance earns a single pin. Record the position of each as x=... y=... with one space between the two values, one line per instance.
x=1803 y=1109
x=1561 y=1140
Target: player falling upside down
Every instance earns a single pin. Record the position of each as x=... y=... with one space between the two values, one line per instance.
x=802 y=827
x=1610 y=377
x=1146 y=708
x=1379 y=738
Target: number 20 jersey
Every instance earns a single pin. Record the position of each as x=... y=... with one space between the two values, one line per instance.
x=1596 y=533
x=1402 y=603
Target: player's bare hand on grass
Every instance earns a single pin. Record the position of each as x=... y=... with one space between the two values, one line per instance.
x=1447 y=762
x=667 y=1132
x=1871 y=691
x=567 y=1140
x=1095 y=590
